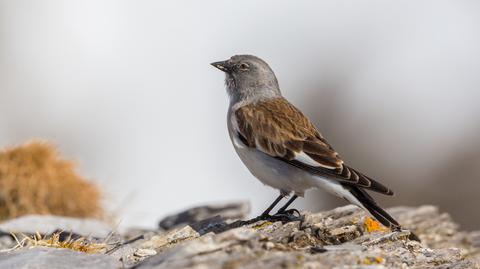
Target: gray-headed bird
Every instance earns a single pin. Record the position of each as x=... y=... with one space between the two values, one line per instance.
x=280 y=145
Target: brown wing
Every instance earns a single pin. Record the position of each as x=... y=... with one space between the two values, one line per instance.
x=280 y=130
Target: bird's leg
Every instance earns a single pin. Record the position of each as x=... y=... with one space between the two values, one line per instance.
x=282 y=215
x=266 y=213
x=284 y=208
x=285 y=215
x=264 y=216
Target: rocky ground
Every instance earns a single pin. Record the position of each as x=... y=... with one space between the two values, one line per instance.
x=200 y=238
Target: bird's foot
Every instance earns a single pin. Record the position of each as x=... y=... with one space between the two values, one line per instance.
x=283 y=216
x=287 y=216
x=292 y=212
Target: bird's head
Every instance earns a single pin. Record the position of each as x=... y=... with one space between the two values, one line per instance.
x=248 y=77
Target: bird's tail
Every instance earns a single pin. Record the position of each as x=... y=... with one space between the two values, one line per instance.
x=366 y=201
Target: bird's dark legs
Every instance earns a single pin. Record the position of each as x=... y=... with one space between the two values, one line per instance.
x=290 y=214
x=282 y=215
x=284 y=208
x=267 y=211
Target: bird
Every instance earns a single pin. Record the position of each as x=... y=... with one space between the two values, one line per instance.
x=282 y=148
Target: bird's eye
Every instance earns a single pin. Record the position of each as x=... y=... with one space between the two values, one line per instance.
x=243 y=66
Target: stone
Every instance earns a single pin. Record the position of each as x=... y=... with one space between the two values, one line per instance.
x=215 y=224
x=172 y=237
x=144 y=252
x=237 y=210
x=182 y=234
x=54 y=258
x=345 y=233
x=331 y=239
x=47 y=224
x=6 y=242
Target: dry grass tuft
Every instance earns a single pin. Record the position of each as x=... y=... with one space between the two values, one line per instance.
x=34 y=179
x=54 y=241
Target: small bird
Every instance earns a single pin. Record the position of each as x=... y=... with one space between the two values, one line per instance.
x=282 y=148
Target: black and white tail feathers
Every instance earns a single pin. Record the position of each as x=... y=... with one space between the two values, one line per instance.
x=366 y=201
x=373 y=208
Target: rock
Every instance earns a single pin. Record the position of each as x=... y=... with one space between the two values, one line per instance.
x=237 y=210
x=345 y=233
x=129 y=251
x=337 y=239
x=6 y=242
x=54 y=258
x=172 y=237
x=144 y=252
x=46 y=224
x=215 y=224
x=180 y=255
x=127 y=255
x=474 y=239
x=331 y=239
x=185 y=233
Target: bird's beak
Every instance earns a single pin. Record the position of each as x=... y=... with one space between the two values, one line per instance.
x=224 y=66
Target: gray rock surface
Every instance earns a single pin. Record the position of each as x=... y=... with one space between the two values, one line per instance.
x=43 y=258
x=46 y=224
x=332 y=239
x=340 y=238
x=237 y=210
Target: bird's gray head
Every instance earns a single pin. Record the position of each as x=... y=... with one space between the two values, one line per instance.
x=248 y=79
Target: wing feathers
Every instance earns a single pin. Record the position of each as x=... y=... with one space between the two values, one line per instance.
x=282 y=131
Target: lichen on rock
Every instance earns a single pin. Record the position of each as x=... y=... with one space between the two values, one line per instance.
x=333 y=239
x=339 y=238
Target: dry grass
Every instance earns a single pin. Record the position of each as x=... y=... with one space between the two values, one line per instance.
x=54 y=241
x=34 y=179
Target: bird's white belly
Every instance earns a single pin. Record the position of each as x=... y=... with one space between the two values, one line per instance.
x=283 y=176
x=288 y=178
x=275 y=173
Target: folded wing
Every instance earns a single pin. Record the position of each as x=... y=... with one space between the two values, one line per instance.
x=280 y=130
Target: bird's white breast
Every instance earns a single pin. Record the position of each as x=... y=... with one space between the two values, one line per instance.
x=268 y=170
x=280 y=175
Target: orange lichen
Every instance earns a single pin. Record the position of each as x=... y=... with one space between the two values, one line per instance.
x=34 y=179
x=373 y=260
x=374 y=226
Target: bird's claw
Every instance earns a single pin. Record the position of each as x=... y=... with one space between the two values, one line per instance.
x=286 y=216
x=292 y=212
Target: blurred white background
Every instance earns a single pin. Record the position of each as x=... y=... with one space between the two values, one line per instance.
x=125 y=88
